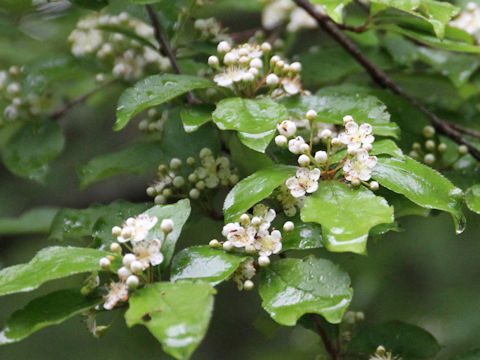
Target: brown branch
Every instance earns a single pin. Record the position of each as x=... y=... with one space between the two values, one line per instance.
x=326 y=341
x=381 y=78
x=465 y=130
x=165 y=48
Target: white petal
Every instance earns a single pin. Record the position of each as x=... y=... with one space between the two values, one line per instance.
x=312 y=187
x=297 y=191
x=365 y=129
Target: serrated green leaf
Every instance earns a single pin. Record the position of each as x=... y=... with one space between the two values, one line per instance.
x=205 y=264
x=194 y=117
x=253 y=116
x=47 y=310
x=34 y=221
x=346 y=215
x=291 y=288
x=154 y=90
x=422 y=185
x=177 y=314
x=253 y=189
x=472 y=198
x=399 y=338
x=29 y=151
x=135 y=159
x=50 y=263
x=332 y=105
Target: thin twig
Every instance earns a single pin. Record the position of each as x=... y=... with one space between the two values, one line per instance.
x=465 y=130
x=381 y=78
x=326 y=341
x=165 y=47
x=60 y=112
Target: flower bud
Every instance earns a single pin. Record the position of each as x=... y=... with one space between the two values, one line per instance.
x=227 y=246
x=167 y=192
x=413 y=154
x=442 y=147
x=463 y=150
x=126 y=233
x=178 y=181
x=281 y=140
x=229 y=59
x=256 y=63
x=272 y=80
x=132 y=282
x=347 y=119
x=136 y=267
x=244 y=219
x=287 y=128
x=266 y=47
x=115 y=248
x=263 y=261
x=274 y=59
x=321 y=157
x=123 y=272
x=128 y=259
x=150 y=191
x=336 y=142
x=214 y=243
x=356 y=182
x=311 y=114
x=250 y=249
x=205 y=152
x=429 y=159
x=256 y=221
x=105 y=263
x=213 y=61
x=304 y=148
x=326 y=134
x=430 y=145
x=191 y=161
x=116 y=231
x=248 y=77
x=374 y=186
x=416 y=146
x=159 y=200
x=248 y=285
x=428 y=131
x=296 y=67
x=223 y=47
x=167 y=225
x=175 y=163
x=380 y=350
x=288 y=226
x=194 y=194
x=303 y=160
x=200 y=185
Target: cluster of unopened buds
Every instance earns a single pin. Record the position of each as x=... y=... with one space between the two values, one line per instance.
x=19 y=103
x=130 y=58
x=139 y=253
x=357 y=164
x=250 y=70
x=154 y=121
x=277 y=12
x=210 y=29
x=252 y=235
x=211 y=173
x=469 y=19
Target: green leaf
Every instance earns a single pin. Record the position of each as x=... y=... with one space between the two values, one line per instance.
x=346 y=215
x=47 y=310
x=401 y=339
x=422 y=185
x=257 y=142
x=332 y=105
x=179 y=213
x=135 y=159
x=292 y=287
x=437 y=13
x=177 y=314
x=194 y=117
x=472 y=198
x=91 y=4
x=34 y=221
x=380 y=147
x=50 y=263
x=32 y=148
x=253 y=116
x=470 y=355
x=78 y=223
x=154 y=90
x=205 y=264
x=253 y=189
x=333 y=8
x=246 y=160
x=303 y=236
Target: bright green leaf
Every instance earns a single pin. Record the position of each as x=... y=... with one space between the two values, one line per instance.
x=47 y=310
x=177 y=314
x=422 y=185
x=333 y=8
x=246 y=160
x=292 y=287
x=194 y=117
x=50 y=263
x=303 y=236
x=154 y=90
x=346 y=215
x=472 y=198
x=253 y=189
x=380 y=147
x=257 y=142
x=34 y=221
x=205 y=264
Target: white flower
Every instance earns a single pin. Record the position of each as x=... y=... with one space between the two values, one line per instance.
x=269 y=244
x=148 y=253
x=360 y=168
x=292 y=86
x=118 y=292
x=355 y=136
x=238 y=235
x=230 y=76
x=138 y=228
x=295 y=145
x=305 y=181
x=287 y=128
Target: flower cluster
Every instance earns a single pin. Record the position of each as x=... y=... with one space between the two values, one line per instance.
x=244 y=273
x=211 y=173
x=154 y=121
x=289 y=203
x=17 y=102
x=468 y=19
x=277 y=12
x=210 y=29
x=143 y=253
x=250 y=70
x=129 y=58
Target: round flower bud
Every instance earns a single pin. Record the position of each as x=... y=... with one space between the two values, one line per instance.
x=347 y=119
x=126 y=233
x=296 y=67
x=17 y=101
x=167 y=225
x=200 y=185
x=274 y=59
x=104 y=263
x=280 y=63
x=123 y=272
x=253 y=71
x=256 y=221
x=463 y=150
x=442 y=147
x=336 y=142
x=100 y=78
x=194 y=194
x=233 y=179
x=178 y=181
x=229 y=58
x=356 y=182
x=272 y=80
x=303 y=160
x=175 y=163
x=159 y=200
x=256 y=63
x=321 y=157
x=304 y=148
x=150 y=191
x=115 y=248
x=374 y=186
x=223 y=47
x=244 y=219
x=132 y=282
x=128 y=259
x=205 y=152
x=380 y=350
x=287 y=128
x=326 y=134
x=281 y=140
x=248 y=77
x=213 y=61
x=191 y=161
x=430 y=145
x=116 y=231
x=266 y=47
x=429 y=159
x=428 y=131
x=14 y=70
x=13 y=88
x=288 y=226
x=136 y=267
x=311 y=114
x=248 y=285
x=227 y=246
x=162 y=168
x=250 y=249
x=291 y=211
x=263 y=261
x=359 y=316
x=192 y=177
x=413 y=154
x=214 y=243
x=416 y=146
